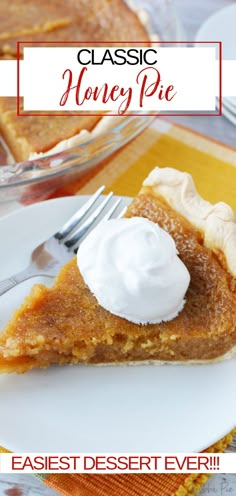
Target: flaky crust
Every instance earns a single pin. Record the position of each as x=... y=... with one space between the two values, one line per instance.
x=215 y=222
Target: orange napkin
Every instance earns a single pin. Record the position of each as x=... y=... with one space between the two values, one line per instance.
x=131 y=484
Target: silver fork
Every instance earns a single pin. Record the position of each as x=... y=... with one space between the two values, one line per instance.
x=48 y=257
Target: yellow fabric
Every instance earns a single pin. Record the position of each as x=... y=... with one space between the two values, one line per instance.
x=213 y=167
x=3 y=450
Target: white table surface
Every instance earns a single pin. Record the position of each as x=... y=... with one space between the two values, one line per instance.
x=191 y=13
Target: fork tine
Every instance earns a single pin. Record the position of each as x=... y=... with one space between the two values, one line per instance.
x=112 y=210
x=122 y=213
x=106 y=217
x=87 y=224
x=78 y=216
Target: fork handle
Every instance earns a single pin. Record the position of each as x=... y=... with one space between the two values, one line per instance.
x=7 y=284
x=13 y=281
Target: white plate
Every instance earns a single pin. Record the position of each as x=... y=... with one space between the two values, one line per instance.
x=230 y=102
x=221 y=27
x=227 y=112
x=103 y=409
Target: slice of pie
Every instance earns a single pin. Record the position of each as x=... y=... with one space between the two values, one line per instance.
x=66 y=325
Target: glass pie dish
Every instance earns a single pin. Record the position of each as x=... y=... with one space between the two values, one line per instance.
x=36 y=179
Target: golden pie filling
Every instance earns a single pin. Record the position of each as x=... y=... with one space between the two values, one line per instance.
x=66 y=325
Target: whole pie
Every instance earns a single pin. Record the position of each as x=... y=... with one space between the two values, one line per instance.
x=25 y=135
x=57 y=21
x=66 y=325
x=74 y=20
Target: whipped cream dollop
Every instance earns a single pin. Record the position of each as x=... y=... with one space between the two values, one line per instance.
x=133 y=269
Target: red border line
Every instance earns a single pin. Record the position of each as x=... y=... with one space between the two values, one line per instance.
x=18 y=79
x=82 y=113
x=220 y=77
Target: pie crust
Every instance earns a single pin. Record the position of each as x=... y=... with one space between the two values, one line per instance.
x=215 y=222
